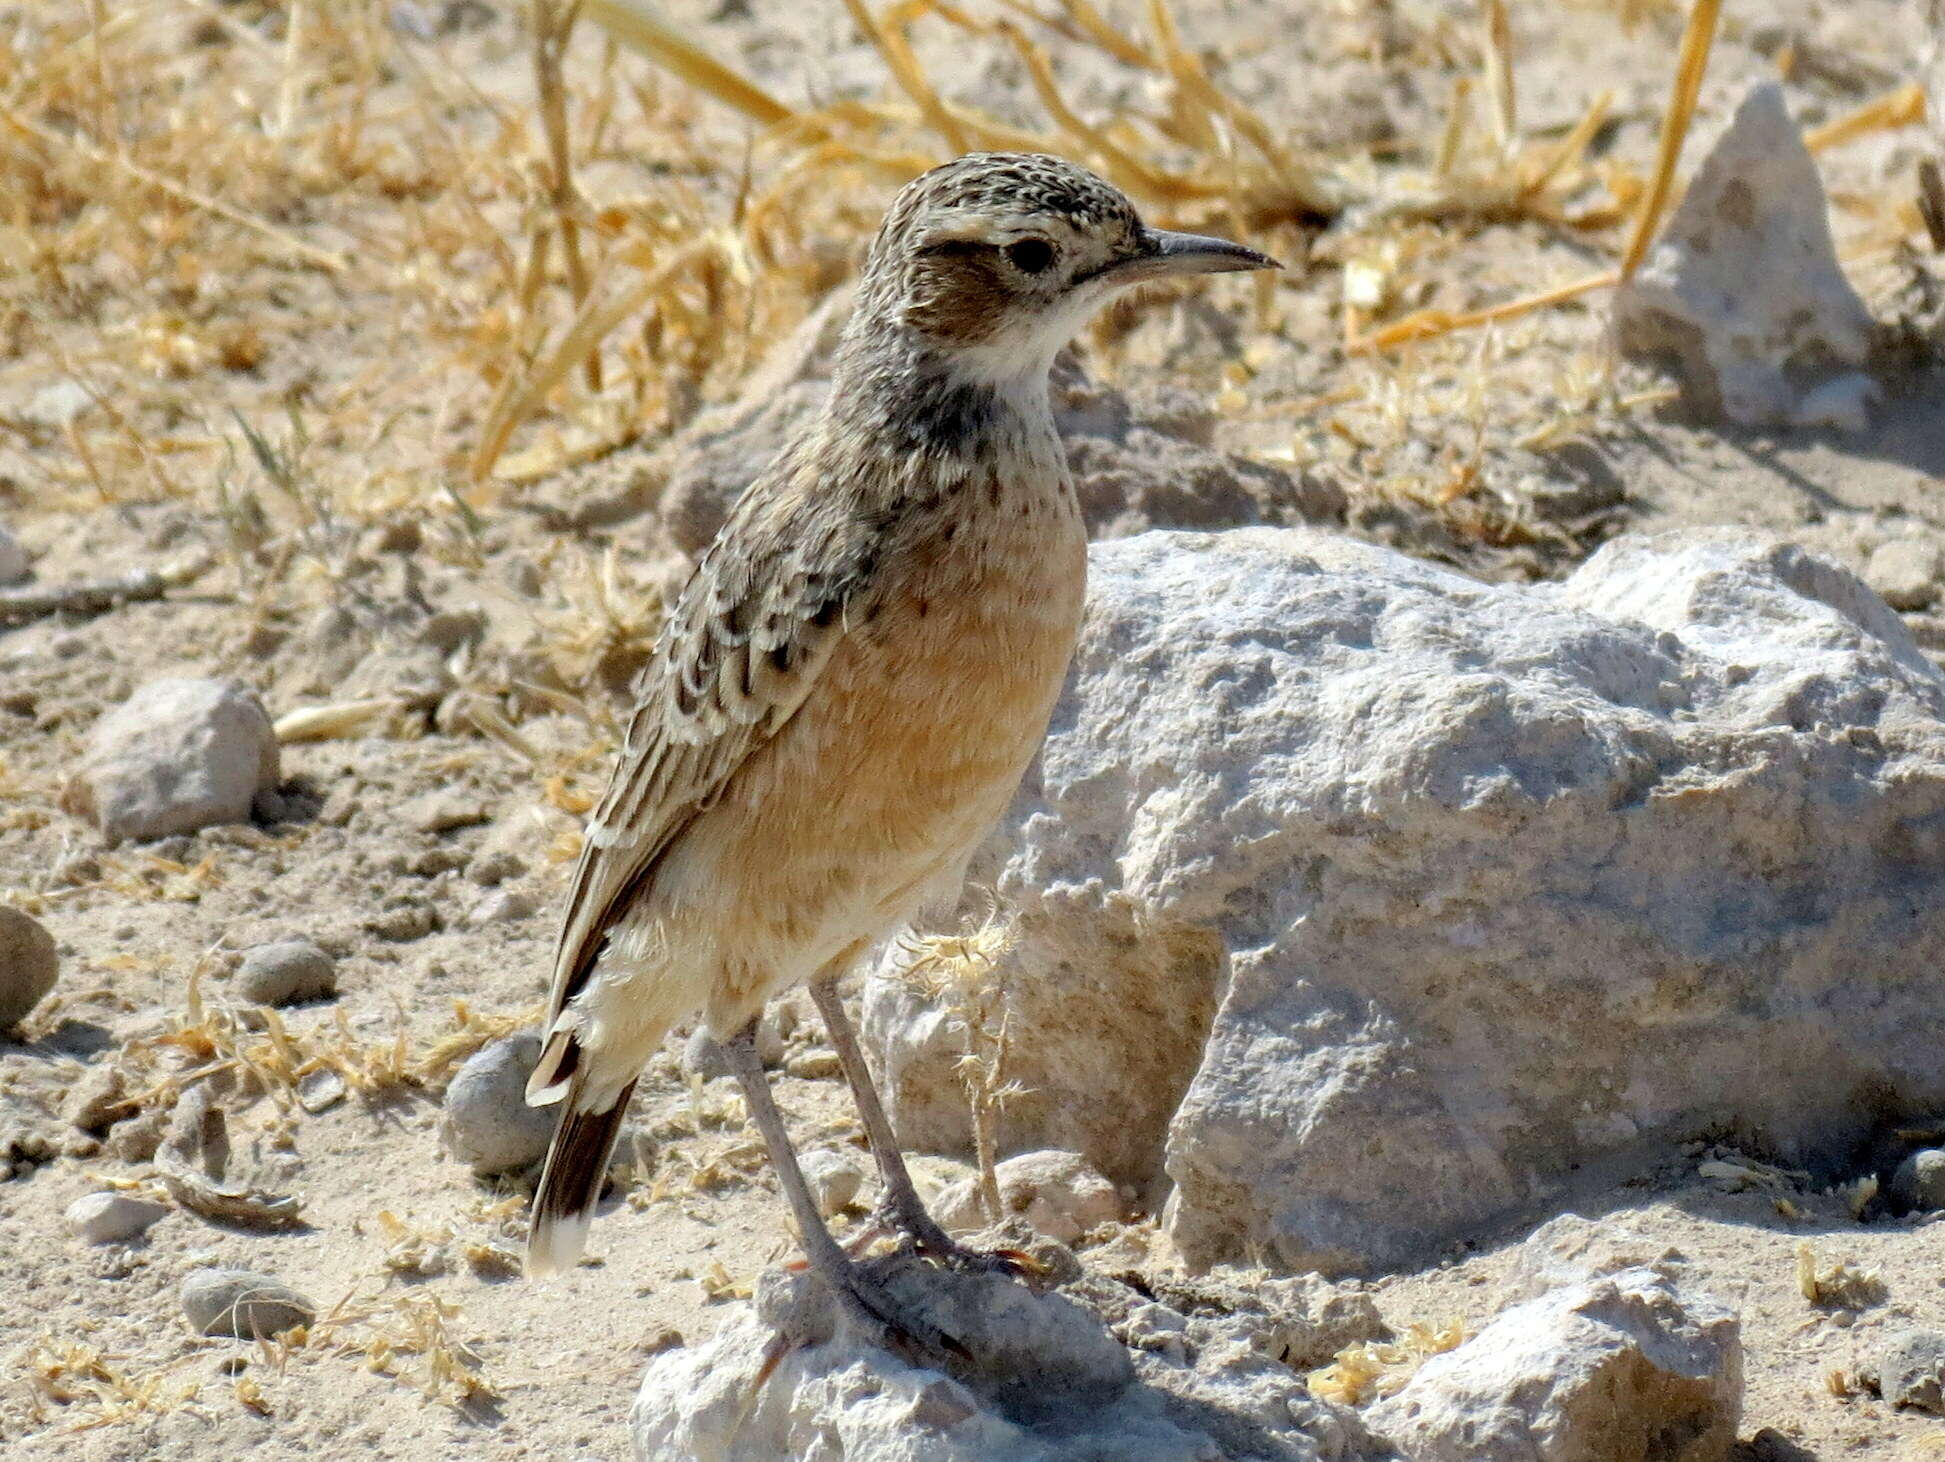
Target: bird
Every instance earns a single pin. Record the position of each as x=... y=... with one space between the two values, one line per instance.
x=847 y=690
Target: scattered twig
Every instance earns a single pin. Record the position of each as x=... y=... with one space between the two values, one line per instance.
x=97 y=596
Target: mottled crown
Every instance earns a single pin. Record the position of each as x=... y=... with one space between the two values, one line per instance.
x=1021 y=184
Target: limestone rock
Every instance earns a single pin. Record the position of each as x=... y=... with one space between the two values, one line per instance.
x=1372 y=905
x=487 y=1123
x=94 y=1102
x=1743 y=292
x=30 y=962
x=286 y=972
x=1089 y=1372
x=1059 y=1193
x=1139 y=461
x=1618 y=1367
x=176 y=756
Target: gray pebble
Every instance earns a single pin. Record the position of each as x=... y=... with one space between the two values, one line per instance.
x=112 y=1218
x=1919 y=1182
x=286 y=972
x=834 y=1177
x=406 y=920
x=239 y=1303
x=29 y=964
x=488 y=1124
x=94 y=1102
x=819 y=1063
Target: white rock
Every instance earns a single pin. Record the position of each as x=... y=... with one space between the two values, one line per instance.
x=1905 y=572
x=286 y=972
x=835 y=1177
x=30 y=962
x=178 y=755
x=13 y=558
x=239 y=1303
x=1744 y=292
x=1373 y=903
x=111 y=1218
x=487 y=1123
x=1572 y=1250
x=1047 y=1384
x=1617 y=1367
x=1059 y=1193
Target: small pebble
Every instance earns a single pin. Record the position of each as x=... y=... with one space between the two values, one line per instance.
x=136 y=1140
x=819 y=1063
x=94 y=1101
x=487 y=1123
x=1909 y=1369
x=405 y=921
x=495 y=866
x=834 y=1177
x=1919 y=1182
x=285 y=973
x=29 y=963
x=320 y=1091
x=503 y=906
x=443 y=812
x=112 y=1218
x=238 y=1303
x=1904 y=572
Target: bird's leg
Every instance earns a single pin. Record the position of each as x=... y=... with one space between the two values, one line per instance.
x=855 y=1289
x=901 y=1207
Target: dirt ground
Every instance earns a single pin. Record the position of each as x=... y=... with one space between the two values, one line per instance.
x=266 y=334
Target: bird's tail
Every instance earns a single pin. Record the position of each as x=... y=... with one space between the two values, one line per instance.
x=571 y=1181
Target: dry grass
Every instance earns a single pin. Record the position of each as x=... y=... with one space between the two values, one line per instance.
x=1374 y=1369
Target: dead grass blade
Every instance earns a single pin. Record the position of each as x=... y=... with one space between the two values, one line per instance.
x=1691 y=64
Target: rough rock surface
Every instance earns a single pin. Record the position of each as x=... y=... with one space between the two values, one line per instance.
x=1138 y=461
x=1743 y=292
x=1377 y=904
x=239 y=1303
x=1089 y=1372
x=176 y=756
x=1908 y=1368
x=1619 y=1367
x=286 y=972
x=487 y=1123
x=1059 y=1193
x=30 y=962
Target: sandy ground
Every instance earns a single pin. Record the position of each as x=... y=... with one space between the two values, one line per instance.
x=1511 y=452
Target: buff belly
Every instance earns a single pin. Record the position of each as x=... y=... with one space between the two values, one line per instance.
x=872 y=798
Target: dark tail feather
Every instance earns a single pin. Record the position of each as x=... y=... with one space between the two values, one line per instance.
x=570 y=1185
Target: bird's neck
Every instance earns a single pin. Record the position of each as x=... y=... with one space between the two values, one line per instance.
x=897 y=394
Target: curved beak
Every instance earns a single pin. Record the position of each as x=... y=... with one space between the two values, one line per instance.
x=1164 y=254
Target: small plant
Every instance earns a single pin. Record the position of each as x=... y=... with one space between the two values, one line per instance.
x=966 y=974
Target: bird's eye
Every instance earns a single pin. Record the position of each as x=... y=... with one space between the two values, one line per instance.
x=1030 y=256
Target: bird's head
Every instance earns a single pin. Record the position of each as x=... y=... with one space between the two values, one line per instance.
x=997 y=259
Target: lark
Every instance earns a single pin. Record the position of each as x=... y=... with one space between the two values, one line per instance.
x=852 y=682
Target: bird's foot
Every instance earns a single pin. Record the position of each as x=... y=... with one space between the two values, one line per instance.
x=864 y=1297
x=919 y=1233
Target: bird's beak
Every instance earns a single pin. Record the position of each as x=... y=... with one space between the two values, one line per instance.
x=1164 y=254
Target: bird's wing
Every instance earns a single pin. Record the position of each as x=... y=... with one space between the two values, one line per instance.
x=737 y=657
